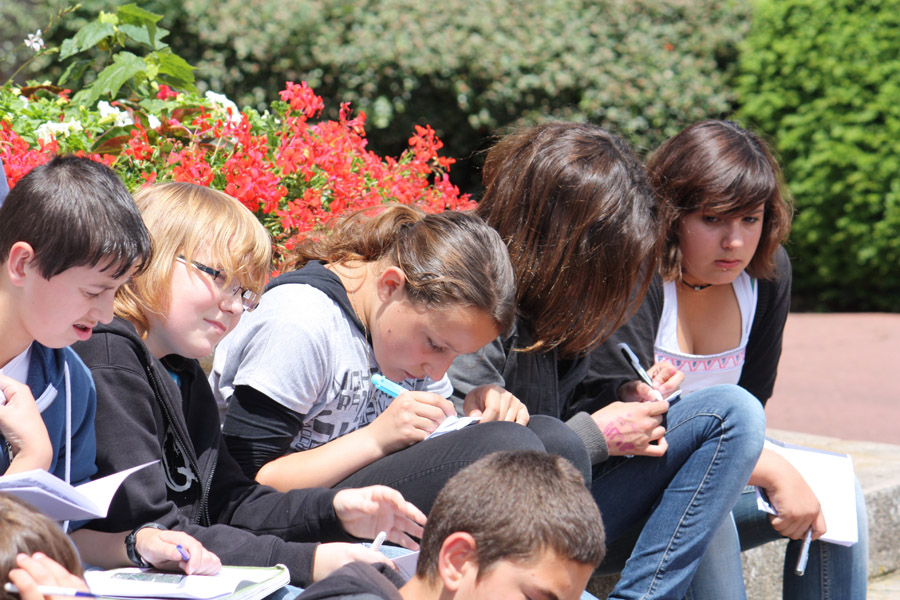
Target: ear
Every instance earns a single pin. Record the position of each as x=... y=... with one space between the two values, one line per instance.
x=457 y=560
x=17 y=263
x=391 y=282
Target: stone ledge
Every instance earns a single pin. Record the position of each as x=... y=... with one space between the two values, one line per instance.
x=878 y=468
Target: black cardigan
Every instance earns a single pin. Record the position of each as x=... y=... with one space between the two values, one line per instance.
x=608 y=370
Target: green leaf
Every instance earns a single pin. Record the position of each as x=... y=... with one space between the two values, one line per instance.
x=143 y=35
x=89 y=35
x=111 y=79
x=135 y=16
x=68 y=48
x=134 y=13
x=177 y=70
x=75 y=71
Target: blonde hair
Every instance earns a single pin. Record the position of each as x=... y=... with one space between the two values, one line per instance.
x=185 y=219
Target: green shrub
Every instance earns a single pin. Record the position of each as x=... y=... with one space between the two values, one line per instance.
x=824 y=80
x=641 y=67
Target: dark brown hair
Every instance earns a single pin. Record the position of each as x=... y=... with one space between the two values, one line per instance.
x=517 y=505
x=573 y=205
x=721 y=167
x=24 y=530
x=449 y=259
x=74 y=212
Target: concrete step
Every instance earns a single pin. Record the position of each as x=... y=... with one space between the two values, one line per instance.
x=877 y=466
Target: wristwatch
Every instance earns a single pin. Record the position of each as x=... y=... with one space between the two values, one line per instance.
x=130 y=539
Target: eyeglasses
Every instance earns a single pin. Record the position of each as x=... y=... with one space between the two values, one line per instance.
x=249 y=298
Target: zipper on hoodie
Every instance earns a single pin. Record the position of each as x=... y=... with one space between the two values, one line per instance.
x=204 y=488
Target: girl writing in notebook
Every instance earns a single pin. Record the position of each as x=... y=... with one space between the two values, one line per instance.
x=211 y=257
x=717 y=313
x=573 y=204
x=397 y=293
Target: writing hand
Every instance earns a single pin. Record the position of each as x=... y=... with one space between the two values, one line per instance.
x=666 y=381
x=409 y=418
x=493 y=403
x=159 y=548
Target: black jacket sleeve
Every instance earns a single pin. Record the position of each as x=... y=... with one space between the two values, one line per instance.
x=241 y=521
x=767 y=331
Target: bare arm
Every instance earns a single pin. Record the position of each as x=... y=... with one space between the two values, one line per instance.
x=410 y=418
x=797 y=505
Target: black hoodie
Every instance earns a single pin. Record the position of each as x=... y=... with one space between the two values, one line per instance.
x=198 y=488
x=357 y=581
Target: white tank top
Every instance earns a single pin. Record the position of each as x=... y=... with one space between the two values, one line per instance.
x=702 y=371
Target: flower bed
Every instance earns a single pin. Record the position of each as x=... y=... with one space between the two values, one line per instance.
x=293 y=172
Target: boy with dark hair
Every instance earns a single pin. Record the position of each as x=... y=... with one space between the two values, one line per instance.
x=510 y=525
x=70 y=236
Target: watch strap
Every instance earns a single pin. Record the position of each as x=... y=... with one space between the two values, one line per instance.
x=131 y=539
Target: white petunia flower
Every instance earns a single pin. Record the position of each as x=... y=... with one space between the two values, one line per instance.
x=222 y=102
x=153 y=122
x=35 y=41
x=49 y=131
x=122 y=118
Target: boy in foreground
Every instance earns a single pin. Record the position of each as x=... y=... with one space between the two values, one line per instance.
x=511 y=525
x=70 y=236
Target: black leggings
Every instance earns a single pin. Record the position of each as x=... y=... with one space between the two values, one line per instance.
x=421 y=470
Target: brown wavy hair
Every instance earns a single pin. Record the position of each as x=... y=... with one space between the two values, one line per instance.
x=721 y=167
x=573 y=204
x=449 y=258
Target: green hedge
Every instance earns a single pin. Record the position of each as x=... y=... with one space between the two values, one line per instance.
x=642 y=67
x=823 y=79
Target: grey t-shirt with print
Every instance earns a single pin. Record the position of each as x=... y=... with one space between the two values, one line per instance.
x=300 y=349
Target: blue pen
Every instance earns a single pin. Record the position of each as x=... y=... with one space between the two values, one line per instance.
x=387 y=386
x=185 y=556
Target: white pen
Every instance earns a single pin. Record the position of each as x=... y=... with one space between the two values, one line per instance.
x=635 y=364
x=379 y=539
x=804 y=553
x=52 y=590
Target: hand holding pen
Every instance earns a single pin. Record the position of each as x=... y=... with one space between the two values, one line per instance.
x=664 y=383
x=176 y=551
x=411 y=417
x=38 y=576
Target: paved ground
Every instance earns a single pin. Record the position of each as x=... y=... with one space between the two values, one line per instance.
x=839 y=376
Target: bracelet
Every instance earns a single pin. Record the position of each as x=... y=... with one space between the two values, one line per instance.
x=133 y=555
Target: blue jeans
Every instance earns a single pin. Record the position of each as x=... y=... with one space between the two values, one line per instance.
x=678 y=501
x=832 y=571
